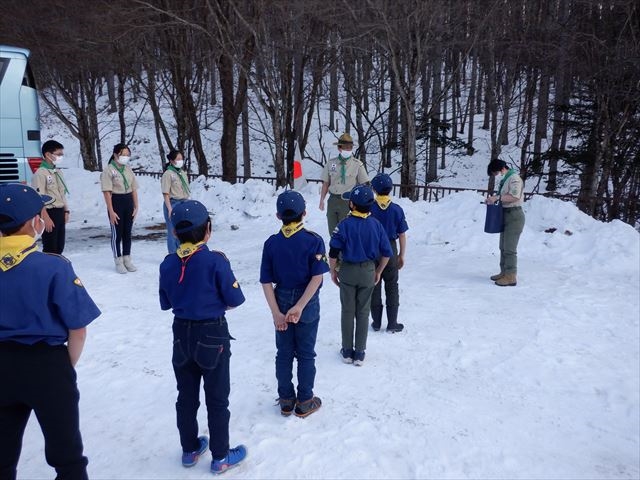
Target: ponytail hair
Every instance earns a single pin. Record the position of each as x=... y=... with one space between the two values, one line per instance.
x=173 y=154
x=117 y=148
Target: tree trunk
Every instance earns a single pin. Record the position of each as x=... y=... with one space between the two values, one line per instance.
x=246 y=143
x=471 y=104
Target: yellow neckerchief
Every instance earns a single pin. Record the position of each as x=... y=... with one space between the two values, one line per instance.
x=14 y=249
x=291 y=228
x=355 y=213
x=383 y=201
x=186 y=249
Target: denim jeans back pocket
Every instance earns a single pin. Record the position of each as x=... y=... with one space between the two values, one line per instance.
x=179 y=357
x=208 y=355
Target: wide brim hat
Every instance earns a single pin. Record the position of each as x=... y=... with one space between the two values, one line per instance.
x=344 y=140
x=20 y=203
x=193 y=213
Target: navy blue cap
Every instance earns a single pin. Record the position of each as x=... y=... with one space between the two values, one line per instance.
x=290 y=205
x=20 y=203
x=360 y=195
x=191 y=212
x=382 y=183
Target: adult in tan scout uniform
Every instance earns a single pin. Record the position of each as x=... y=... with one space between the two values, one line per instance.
x=510 y=195
x=340 y=175
x=120 y=190
x=48 y=180
x=175 y=189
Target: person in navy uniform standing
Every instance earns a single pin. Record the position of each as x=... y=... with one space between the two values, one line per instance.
x=199 y=286
x=295 y=260
x=44 y=312
x=365 y=250
x=392 y=218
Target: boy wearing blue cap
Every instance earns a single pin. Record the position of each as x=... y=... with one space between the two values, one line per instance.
x=392 y=218
x=199 y=286
x=294 y=259
x=364 y=246
x=44 y=306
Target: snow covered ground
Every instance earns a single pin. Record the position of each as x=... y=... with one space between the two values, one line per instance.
x=537 y=381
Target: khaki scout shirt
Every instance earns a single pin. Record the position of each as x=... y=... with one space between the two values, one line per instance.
x=513 y=186
x=355 y=174
x=172 y=185
x=111 y=180
x=50 y=182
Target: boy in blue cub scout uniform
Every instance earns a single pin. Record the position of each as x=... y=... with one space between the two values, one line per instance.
x=43 y=305
x=294 y=259
x=365 y=250
x=392 y=218
x=200 y=287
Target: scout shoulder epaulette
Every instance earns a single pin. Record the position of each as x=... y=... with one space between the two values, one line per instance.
x=313 y=233
x=58 y=255
x=221 y=253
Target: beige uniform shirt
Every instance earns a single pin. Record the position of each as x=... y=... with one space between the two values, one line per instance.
x=355 y=174
x=50 y=182
x=513 y=186
x=172 y=185
x=111 y=180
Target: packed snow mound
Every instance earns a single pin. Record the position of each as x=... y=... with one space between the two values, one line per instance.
x=553 y=228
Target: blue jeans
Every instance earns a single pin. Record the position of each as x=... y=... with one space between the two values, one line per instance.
x=201 y=350
x=299 y=341
x=172 y=241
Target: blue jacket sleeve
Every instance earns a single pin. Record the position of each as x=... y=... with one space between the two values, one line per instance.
x=73 y=304
x=227 y=284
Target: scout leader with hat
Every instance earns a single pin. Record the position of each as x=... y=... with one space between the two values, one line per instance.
x=365 y=249
x=199 y=286
x=295 y=260
x=43 y=305
x=339 y=176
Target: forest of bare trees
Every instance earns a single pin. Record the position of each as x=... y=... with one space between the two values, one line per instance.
x=558 y=79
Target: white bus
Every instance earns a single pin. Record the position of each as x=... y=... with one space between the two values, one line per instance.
x=20 y=153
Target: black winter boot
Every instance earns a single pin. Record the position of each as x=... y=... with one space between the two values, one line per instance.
x=376 y=315
x=392 y=320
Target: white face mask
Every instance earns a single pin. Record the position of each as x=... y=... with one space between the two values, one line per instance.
x=179 y=164
x=123 y=160
x=57 y=159
x=35 y=230
x=345 y=154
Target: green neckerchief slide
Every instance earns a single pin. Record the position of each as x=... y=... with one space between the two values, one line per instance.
x=121 y=171
x=185 y=185
x=46 y=166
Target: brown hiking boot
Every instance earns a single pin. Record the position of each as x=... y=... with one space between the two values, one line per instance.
x=508 y=280
x=497 y=276
x=286 y=406
x=306 y=408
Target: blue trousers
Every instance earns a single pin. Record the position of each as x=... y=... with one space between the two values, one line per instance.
x=172 y=241
x=297 y=341
x=201 y=350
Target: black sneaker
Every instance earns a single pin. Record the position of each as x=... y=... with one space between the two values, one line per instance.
x=358 y=358
x=375 y=326
x=306 y=408
x=286 y=406
x=347 y=355
x=398 y=327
